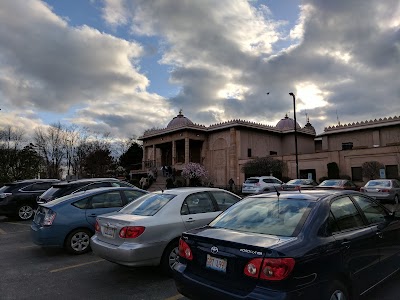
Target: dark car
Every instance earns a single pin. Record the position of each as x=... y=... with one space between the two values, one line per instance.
x=340 y=184
x=18 y=199
x=318 y=244
x=296 y=184
x=65 y=188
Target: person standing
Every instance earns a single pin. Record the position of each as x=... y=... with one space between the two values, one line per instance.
x=231 y=184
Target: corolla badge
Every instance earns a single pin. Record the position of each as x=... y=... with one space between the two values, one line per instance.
x=214 y=250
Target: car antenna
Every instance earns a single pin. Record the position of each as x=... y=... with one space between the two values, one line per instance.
x=277 y=192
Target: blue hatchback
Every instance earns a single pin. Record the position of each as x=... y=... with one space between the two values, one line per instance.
x=69 y=221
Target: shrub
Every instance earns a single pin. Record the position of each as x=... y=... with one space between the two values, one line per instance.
x=370 y=169
x=333 y=170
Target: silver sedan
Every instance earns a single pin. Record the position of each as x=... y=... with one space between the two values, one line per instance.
x=146 y=232
x=383 y=189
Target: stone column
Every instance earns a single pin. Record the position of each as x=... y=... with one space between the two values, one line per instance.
x=154 y=155
x=187 y=157
x=173 y=153
x=144 y=157
x=232 y=160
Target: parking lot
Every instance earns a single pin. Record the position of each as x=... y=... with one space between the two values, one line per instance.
x=28 y=271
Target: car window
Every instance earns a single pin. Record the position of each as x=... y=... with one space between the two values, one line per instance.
x=346 y=214
x=94 y=186
x=251 y=180
x=148 y=205
x=277 y=181
x=40 y=186
x=330 y=183
x=82 y=204
x=132 y=195
x=197 y=203
x=224 y=199
x=265 y=216
x=382 y=183
x=395 y=184
x=267 y=180
x=121 y=184
x=373 y=212
x=105 y=200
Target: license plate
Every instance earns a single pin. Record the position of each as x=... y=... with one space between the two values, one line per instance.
x=109 y=232
x=215 y=263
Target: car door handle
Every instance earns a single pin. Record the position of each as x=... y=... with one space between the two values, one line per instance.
x=190 y=220
x=346 y=244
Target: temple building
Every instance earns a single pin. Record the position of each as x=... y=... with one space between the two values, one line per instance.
x=224 y=148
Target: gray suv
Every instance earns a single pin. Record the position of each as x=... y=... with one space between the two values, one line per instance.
x=66 y=188
x=256 y=185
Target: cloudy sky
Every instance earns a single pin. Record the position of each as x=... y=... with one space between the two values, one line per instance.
x=124 y=66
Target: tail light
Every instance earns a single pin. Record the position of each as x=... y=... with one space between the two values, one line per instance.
x=184 y=250
x=362 y=190
x=97 y=226
x=49 y=217
x=269 y=268
x=131 y=232
x=384 y=191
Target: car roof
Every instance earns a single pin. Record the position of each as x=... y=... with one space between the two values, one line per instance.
x=311 y=195
x=83 y=181
x=32 y=181
x=182 y=190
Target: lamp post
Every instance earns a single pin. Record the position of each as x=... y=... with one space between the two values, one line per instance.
x=295 y=134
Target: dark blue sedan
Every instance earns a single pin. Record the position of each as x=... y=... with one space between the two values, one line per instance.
x=317 y=244
x=70 y=221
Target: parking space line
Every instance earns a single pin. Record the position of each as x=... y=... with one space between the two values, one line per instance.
x=13 y=223
x=176 y=297
x=76 y=266
x=2 y=231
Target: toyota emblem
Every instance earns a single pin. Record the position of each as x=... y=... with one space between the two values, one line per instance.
x=214 y=250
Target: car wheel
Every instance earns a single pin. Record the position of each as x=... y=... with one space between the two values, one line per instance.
x=78 y=241
x=337 y=291
x=396 y=199
x=25 y=212
x=170 y=258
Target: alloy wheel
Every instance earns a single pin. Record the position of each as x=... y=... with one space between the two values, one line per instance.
x=80 y=241
x=173 y=257
x=25 y=212
x=338 y=295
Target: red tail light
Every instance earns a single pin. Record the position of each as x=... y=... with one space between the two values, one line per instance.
x=384 y=191
x=131 y=232
x=97 y=226
x=272 y=268
x=184 y=250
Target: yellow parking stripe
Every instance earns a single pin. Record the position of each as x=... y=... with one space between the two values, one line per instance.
x=176 y=297
x=76 y=266
x=2 y=231
x=17 y=223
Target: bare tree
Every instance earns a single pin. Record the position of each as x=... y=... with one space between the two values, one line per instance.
x=370 y=169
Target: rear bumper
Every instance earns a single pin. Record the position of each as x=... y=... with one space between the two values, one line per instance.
x=46 y=236
x=128 y=254
x=194 y=287
x=380 y=196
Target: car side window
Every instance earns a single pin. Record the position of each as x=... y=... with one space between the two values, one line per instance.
x=268 y=180
x=40 y=186
x=346 y=214
x=224 y=199
x=373 y=212
x=105 y=200
x=395 y=184
x=197 y=203
x=82 y=204
x=132 y=195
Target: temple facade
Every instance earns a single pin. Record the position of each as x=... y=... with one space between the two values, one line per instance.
x=224 y=148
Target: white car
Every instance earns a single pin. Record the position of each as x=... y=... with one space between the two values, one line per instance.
x=256 y=185
x=147 y=231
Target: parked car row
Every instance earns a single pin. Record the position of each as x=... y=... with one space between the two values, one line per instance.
x=20 y=199
x=380 y=189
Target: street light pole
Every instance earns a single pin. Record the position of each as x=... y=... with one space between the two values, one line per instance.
x=295 y=134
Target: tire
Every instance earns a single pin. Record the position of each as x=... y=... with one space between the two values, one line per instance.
x=78 y=241
x=25 y=212
x=337 y=291
x=170 y=258
x=396 y=199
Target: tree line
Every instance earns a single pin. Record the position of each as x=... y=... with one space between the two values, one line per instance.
x=60 y=151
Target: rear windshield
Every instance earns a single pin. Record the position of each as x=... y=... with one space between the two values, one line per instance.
x=384 y=183
x=58 y=191
x=330 y=183
x=252 y=180
x=7 y=188
x=147 y=205
x=295 y=181
x=266 y=216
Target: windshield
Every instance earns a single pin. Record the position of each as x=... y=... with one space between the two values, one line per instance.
x=147 y=205
x=6 y=188
x=265 y=216
x=295 y=181
x=383 y=183
x=57 y=191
